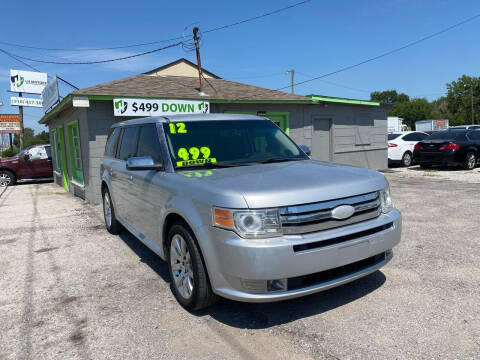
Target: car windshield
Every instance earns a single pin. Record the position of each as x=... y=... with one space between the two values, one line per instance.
x=228 y=143
x=392 y=136
x=448 y=135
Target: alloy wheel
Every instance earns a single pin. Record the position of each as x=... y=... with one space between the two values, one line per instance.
x=5 y=180
x=107 y=209
x=181 y=266
x=407 y=159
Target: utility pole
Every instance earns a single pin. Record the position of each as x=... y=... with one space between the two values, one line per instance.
x=471 y=93
x=20 y=118
x=197 y=49
x=292 y=79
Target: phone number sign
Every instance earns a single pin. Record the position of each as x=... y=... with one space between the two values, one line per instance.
x=154 y=107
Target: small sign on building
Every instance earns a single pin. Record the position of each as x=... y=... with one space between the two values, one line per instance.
x=27 y=81
x=157 y=107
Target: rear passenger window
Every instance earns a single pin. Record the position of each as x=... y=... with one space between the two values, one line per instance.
x=111 y=146
x=148 y=144
x=128 y=147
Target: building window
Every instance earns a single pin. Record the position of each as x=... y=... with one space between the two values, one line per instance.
x=55 y=146
x=75 y=152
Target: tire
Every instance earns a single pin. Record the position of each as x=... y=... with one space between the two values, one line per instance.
x=189 y=279
x=7 y=178
x=425 y=166
x=470 y=161
x=111 y=222
x=407 y=159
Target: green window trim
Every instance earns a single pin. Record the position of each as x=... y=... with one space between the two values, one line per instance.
x=280 y=117
x=61 y=138
x=54 y=147
x=75 y=151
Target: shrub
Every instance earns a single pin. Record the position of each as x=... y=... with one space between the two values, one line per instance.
x=9 y=152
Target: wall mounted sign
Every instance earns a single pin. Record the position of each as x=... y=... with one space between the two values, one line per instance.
x=157 y=107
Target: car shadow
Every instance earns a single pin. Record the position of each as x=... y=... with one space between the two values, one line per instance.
x=264 y=315
x=29 y=182
x=146 y=255
x=435 y=168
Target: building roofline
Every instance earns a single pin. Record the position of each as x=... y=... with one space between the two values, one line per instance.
x=318 y=98
x=178 y=61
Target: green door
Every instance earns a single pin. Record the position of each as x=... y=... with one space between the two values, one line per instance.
x=64 y=157
x=281 y=118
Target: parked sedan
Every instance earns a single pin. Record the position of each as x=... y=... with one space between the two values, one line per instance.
x=401 y=144
x=452 y=147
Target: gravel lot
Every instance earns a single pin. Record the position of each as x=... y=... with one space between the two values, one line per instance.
x=70 y=290
x=439 y=173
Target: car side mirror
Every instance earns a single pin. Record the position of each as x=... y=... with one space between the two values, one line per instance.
x=26 y=157
x=305 y=149
x=143 y=163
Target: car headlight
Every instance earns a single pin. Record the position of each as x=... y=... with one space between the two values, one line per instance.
x=386 y=202
x=249 y=224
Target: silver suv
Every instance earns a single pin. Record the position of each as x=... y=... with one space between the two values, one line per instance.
x=238 y=210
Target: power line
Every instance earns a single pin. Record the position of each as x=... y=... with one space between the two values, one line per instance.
x=90 y=62
x=386 y=53
x=257 y=17
x=160 y=41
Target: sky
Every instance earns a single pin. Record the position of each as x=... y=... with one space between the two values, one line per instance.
x=315 y=38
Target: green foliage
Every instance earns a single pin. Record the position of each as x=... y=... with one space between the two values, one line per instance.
x=456 y=106
x=9 y=152
x=414 y=110
x=459 y=99
x=389 y=97
x=29 y=138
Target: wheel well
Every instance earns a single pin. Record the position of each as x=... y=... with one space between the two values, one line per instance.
x=168 y=223
x=7 y=169
x=104 y=186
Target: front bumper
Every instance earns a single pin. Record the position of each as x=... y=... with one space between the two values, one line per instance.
x=234 y=264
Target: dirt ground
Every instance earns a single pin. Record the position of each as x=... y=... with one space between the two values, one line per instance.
x=70 y=290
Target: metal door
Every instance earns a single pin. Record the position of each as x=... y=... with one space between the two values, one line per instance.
x=321 y=146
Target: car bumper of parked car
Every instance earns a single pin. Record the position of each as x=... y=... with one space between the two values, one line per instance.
x=395 y=154
x=285 y=267
x=436 y=158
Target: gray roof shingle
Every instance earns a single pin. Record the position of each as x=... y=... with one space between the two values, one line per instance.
x=186 y=88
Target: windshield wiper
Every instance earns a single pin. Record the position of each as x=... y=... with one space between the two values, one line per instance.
x=278 y=159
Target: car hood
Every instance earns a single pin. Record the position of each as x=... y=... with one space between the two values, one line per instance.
x=289 y=183
x=7 y=160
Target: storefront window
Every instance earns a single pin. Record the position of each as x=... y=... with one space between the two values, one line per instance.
x=54 y=142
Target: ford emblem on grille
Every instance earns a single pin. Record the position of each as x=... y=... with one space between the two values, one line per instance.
x=342 y=212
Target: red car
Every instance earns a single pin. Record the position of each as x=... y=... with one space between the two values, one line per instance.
x=34 y=162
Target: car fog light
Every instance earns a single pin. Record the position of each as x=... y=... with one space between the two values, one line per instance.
x=277 y=285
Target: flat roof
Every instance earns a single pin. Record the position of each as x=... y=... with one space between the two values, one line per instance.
x=342 y=100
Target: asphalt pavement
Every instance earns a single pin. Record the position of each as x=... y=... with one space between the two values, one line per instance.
x=70 y=290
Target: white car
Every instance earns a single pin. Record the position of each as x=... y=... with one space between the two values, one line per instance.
x=401 y=144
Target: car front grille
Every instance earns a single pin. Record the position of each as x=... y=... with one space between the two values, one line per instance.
x=307 y=218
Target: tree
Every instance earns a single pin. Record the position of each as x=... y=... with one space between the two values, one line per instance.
x=389 y=97
x=414 y=110
x=29 y=138
x=459 y=98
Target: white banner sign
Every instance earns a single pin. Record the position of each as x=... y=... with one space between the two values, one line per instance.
x=50 y=94
x=21 y=101
x=27 y=81
x=154 y=107
x=9 y=127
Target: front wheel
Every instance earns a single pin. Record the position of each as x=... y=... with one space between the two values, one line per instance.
x=470 y=161
x=189 y=279
x=111 y=222
x=7 y=178
x=407 y=159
